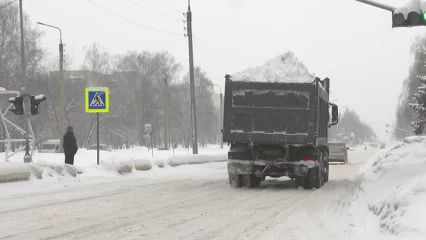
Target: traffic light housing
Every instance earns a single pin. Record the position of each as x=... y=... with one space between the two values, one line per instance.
x=18 y=102
x=35 y=102
x=410 y=15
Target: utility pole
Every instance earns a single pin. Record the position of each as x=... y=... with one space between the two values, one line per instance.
x=27 y=156
x=166 y=114
x=191 y=80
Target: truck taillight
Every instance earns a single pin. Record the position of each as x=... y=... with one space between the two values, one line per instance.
x=307 y=159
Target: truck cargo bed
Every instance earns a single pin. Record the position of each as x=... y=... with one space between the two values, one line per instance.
x=273 y=112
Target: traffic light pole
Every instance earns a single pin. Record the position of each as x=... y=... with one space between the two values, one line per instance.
x=27 y=156
x=378 y=5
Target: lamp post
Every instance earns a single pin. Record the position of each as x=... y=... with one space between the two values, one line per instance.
x=61 y=75
x=221 y=114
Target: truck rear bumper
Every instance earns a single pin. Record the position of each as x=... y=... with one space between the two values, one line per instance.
x=336 y=158
x=270 y=168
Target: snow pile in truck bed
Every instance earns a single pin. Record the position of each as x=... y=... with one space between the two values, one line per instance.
x=283 y=68
x=391 y=201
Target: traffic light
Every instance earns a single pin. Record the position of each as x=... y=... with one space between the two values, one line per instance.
x=35 y=102
x=410 y=15
x=18 y=102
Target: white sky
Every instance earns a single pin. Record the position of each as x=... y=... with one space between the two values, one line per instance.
x=351 y=43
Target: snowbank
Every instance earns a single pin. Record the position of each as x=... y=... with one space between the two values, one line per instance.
x=283 y=68
x=113 y=164
x=392 y=197
x=10 y=172
x=196 y=159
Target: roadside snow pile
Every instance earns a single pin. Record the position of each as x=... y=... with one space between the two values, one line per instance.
x=393 y=191
x=10 y=172
x=196 y=159
x=112 y=164
x=283 y=68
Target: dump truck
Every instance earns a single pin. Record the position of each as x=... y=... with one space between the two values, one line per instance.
x=277 y=129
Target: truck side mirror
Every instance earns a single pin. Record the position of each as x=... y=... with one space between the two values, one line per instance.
x=334 y=115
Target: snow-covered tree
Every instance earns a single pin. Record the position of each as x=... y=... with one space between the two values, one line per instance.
x=350 y=122
x=419 y=107
x=404 y=113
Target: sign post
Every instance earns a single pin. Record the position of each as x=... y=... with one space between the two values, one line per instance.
x=97 y=101
x=148 y=129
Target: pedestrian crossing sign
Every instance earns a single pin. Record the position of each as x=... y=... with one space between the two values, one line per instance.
x=97 y=100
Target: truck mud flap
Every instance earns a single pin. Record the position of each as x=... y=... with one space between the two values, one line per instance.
x=300 y=170
x=240 y=167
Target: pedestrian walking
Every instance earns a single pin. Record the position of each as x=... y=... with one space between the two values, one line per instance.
x=70 y=146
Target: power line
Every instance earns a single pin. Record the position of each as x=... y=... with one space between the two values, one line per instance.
x=7 y=4
x=212 y=55
x=158 y=13
x=205 y=44
x=135 y=23
x=209 y=36
x=171 y=7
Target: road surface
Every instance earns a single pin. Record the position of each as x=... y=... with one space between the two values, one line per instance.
x=201 y=206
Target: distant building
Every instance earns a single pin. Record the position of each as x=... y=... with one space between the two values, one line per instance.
x=95 y=79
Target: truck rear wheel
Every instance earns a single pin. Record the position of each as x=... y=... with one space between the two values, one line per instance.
x=235 y=180
x=250 y=180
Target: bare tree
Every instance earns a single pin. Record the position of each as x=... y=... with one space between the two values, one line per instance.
x=10 y=56
x=96 y=59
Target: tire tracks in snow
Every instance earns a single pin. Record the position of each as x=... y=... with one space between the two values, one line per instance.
x=85 y=209
x=199 y=207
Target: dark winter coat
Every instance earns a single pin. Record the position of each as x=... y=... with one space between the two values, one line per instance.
x=70 y=144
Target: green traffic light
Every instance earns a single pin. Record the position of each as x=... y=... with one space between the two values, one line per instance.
x=424 y=15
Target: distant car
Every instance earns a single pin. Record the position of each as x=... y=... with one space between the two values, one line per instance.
x=373 y=144
x=338 y=152
x=383 y=146
x=50 y=146
x=102 y=147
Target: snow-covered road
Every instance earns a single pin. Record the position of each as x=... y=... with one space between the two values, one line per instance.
x=197 y=206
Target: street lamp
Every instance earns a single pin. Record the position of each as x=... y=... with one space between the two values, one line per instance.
x=221 y=114
x=61 y=73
